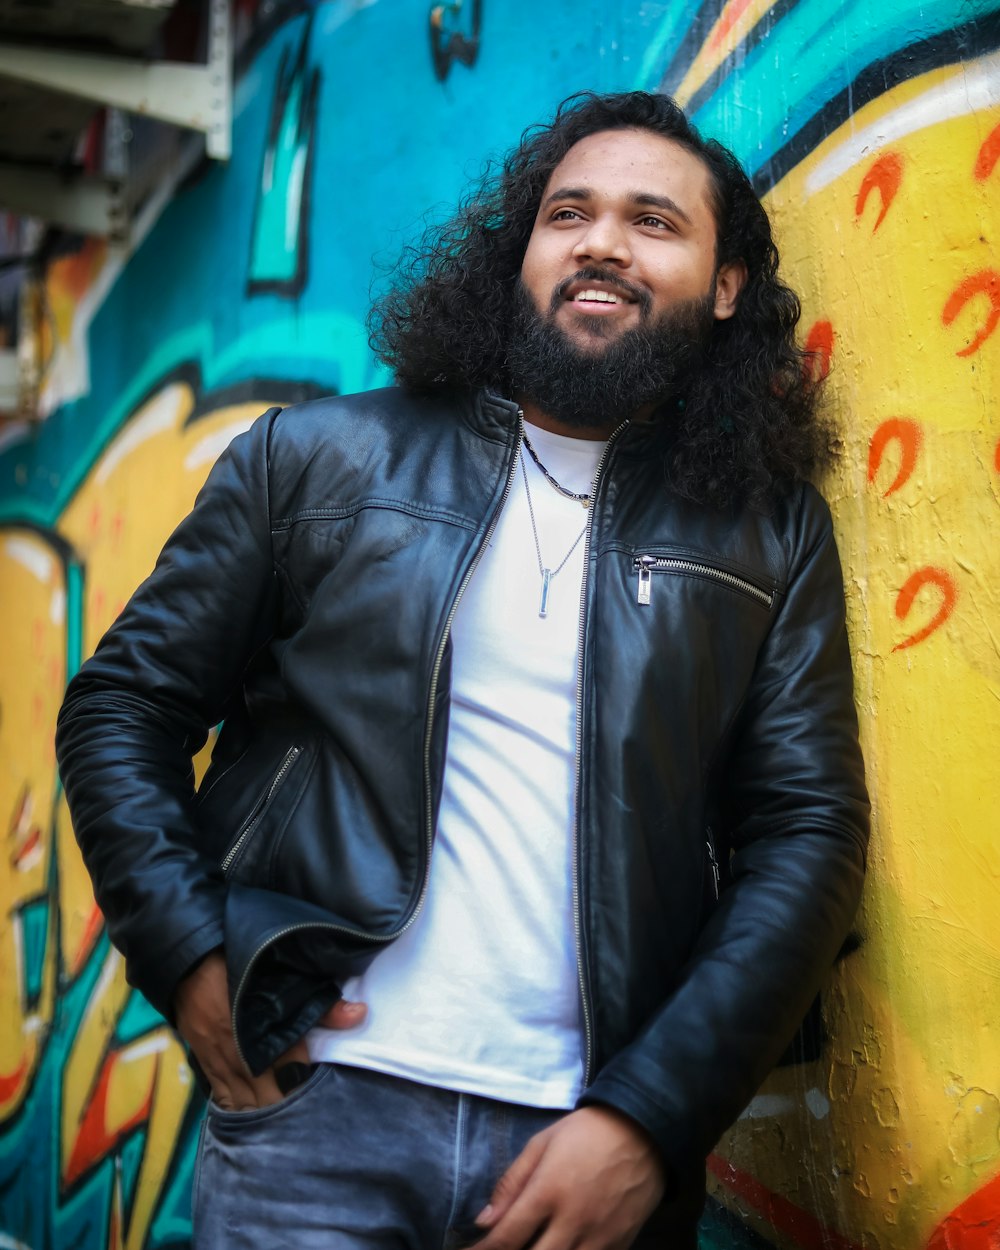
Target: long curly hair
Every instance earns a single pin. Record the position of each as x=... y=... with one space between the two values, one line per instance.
x=743 y=427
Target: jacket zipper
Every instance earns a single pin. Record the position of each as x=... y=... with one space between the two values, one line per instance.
x=383 y=939
x=291 y=755
x=581 y=971
x=646 y=565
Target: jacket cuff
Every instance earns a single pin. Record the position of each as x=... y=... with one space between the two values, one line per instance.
x=158 y=976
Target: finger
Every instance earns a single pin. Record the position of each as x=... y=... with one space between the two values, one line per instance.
x=266 y=1090
x=344 y=1015
x=510 y=1186
x=232 y=1089
x=521 y=1224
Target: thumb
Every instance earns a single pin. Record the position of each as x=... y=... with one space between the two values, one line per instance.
x=343 y=1015
x=513 y=1181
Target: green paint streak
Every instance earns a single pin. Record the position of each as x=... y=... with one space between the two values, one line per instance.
x=337 y=336
x=274 y=255
x=74 y=620
x=671 y=30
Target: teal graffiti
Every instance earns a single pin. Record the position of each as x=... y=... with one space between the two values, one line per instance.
x=279 y=256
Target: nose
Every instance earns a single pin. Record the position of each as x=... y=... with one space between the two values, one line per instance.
x=605 y=239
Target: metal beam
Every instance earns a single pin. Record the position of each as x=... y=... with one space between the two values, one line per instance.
x=86 y=205
x=197 y=97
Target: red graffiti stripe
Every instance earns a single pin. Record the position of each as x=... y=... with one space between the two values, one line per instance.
x=786 y=1218
x=974 y=1225
x=95 y=1140
x=731 y=14
x=10 y=1082
x=988 y=156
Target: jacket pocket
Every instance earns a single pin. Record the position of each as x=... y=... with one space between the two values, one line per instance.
x=253 y=820
x=645 y=566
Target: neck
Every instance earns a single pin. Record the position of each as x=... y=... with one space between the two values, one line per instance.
x=533 y=415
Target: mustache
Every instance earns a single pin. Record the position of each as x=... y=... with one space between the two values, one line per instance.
x=607 y=278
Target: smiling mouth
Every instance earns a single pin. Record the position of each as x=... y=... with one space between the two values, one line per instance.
x=594 y=292
x=598 y=297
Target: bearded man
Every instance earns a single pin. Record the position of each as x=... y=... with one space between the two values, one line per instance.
x=516 y=664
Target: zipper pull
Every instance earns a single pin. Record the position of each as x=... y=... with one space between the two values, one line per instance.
x=645 y=565
x=713 y=861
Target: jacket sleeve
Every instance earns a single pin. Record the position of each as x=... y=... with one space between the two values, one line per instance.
x=796 y=812
x=141 y=707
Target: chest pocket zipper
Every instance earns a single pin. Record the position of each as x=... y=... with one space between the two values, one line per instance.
x=646 y=566
x=248 y=827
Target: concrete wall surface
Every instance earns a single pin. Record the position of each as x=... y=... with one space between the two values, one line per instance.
x=873 y=132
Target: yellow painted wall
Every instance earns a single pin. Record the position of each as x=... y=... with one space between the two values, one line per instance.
x=890 y=232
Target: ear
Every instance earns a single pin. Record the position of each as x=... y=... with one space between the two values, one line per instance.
x=729 y=281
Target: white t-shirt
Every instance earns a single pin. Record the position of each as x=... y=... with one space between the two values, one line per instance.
x=481 y=993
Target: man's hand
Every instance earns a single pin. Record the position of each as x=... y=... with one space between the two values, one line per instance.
x=587 y=1183
x=202 y=1008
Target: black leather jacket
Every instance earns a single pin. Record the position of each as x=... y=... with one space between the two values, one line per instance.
x=306 y=603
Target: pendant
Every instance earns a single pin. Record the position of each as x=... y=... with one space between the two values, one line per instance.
x=543 y=603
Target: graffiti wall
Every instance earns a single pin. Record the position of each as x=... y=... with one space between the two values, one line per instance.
x=873 y=132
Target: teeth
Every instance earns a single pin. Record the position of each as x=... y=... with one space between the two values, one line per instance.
x=602 y=297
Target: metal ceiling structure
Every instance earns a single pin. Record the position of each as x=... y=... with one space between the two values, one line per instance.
x=60 y=65
x=78 y=78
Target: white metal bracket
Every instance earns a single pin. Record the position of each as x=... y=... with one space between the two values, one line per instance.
x=197 y=97
x=85 y=205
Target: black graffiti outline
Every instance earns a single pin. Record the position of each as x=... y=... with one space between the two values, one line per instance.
x=457 y=46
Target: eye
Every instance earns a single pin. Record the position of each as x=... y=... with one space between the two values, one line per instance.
x=566 y=214
x=656 y=223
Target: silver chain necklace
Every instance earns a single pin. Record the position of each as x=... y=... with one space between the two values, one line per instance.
x=546 y=574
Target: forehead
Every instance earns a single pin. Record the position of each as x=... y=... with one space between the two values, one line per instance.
x=614 y=163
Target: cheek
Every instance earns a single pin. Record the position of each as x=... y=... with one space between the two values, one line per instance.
x=536 y=278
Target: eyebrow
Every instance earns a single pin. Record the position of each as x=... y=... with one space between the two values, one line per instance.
x=640 y=199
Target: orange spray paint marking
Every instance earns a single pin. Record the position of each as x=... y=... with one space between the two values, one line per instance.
x=819 y=348
x=96 y=1138
x=884 y=176
x=974 y=1225
x=909 y=436
x=28 y=854
x=797 y=1226
x=731 y=14
x=91 y=932
x=986 y=282
x=988 y=156
x=11 y=1082
x=911 y=588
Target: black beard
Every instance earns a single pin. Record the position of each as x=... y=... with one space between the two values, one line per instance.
x=604 y=384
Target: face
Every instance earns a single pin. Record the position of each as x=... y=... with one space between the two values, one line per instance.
x=625 y=234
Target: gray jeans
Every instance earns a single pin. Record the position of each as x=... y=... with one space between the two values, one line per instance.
x=354 y=1160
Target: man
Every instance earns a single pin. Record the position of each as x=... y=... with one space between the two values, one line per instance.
x=560 y=609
